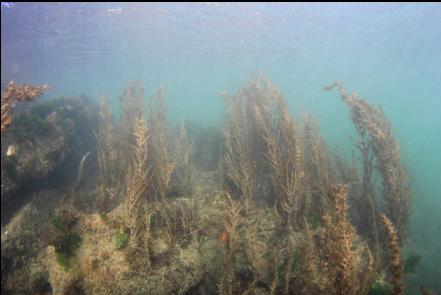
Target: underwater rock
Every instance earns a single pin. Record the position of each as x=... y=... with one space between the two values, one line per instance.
x=102 y=268
x=46 y=138
x=22 y=244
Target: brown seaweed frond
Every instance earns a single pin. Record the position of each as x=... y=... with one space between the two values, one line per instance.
x=232 y=220
x=273 y=136
x=290 y=170
x=340 y=233
x=316 y=164
x=180 y=220
x=17 y=93
x=345 y=169
x=363 y=202
x=286 y=163
x=309 y=262
x=258 y=250
x=189 y=219
x=368 y=276
x=289 y=266
x=161 y=160
x=287 y=175
x=168 y=218
x=138 y=253
x=261 y=146
x=229 y=240
x=138 y=178
x=368 y=207
x=238 y=157
x=182 y=173
x=131 y=104
x=260 y=99
x=226 y=285
x=107 y=156
x=395 y=264
x=370 y=122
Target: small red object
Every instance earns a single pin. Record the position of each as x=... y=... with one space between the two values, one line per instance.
x=224 y=236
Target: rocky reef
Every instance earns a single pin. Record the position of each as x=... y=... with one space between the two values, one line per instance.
x=257 y=206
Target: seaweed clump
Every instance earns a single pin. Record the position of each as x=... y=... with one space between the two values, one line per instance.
x=270 y=162
x=17 y=93
x=340 y=236
x=396 y=265
x=378 y=140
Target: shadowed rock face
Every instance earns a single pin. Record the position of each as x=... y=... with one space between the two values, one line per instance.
x=41 y=144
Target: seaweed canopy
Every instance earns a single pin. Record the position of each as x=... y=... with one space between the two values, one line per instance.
x=13 y=94
x=135 y=160
x=284 y=217
x=377 y=139
x=263 y=153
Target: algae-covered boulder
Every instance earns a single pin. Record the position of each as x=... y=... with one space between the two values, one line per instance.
x=42 y=143
x=102 y=267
